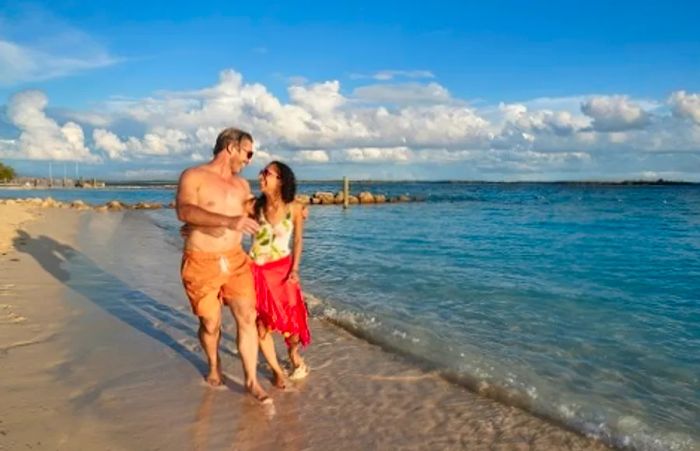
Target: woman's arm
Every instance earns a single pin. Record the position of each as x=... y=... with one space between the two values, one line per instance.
x=298 y=246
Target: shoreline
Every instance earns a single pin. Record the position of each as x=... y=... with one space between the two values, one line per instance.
x=119 y=322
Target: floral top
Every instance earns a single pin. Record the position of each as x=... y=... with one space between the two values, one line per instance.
x=272 y=241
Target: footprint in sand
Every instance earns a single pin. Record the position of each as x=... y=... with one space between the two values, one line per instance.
x=8 y=316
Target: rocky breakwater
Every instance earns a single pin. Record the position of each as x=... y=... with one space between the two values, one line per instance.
x=362 y=198
x=318 y=198
x=113 y=205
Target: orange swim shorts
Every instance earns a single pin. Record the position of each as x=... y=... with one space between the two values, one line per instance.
x=211 y=278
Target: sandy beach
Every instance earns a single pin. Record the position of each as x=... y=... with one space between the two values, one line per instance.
x=98 y=350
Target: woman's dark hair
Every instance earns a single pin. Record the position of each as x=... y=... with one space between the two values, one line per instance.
x=288 y=186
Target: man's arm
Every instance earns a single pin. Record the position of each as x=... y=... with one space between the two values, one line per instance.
x=189 y=212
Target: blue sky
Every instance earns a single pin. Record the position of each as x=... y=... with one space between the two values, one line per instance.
x=450 y=90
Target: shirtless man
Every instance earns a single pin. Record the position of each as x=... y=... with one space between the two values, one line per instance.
x=215 y=268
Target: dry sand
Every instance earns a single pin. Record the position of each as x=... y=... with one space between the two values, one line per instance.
x=98 y=350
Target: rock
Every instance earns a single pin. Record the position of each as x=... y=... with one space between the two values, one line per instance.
x=404 y=198
x=380 y=198
x=78 y=204
x=172 y=204
x=315 y=200
x=114 y=205
x=339 y=197
x=10 y=202
x=325 y=197
x=366 y=197
x=48 y=203
x=102 y=208
x=353 y=200
x=37 y=201
x=303 y=199
x=147 y=206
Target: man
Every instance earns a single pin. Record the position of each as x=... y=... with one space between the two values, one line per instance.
x=215 y=268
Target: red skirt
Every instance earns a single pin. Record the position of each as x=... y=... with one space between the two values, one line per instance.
x=280 y=303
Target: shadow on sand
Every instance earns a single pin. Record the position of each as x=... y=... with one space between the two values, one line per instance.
x=113 y=295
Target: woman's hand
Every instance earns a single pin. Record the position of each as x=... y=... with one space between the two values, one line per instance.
x=293 y=276
x=185 y=231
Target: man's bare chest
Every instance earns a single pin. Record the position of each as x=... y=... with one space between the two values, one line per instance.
x=221 y=197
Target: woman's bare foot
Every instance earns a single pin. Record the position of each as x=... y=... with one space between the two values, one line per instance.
x=299 y=372
x=258 y=393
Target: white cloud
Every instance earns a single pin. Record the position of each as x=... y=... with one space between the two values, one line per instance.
x=391 y=74
x=42 y=138
x=311 y=156
x=378 y=154
x=158 y=142
x=615 y=113
x=385 y=75
x=297 y=80
x=403 y=94
x=686 y=105
x=154 y=174
x=21 y=63
x=319 y=98
x=561 y=123
x=110 y=143
x=417 y=123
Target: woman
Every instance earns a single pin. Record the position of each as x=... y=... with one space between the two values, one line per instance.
x=280 y=303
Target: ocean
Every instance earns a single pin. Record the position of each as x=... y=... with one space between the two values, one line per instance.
x=580 y=303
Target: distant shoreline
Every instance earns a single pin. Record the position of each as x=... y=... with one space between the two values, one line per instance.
x=173 y=183
x=447 y=182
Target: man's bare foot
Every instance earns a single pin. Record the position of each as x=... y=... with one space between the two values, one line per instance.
x=215 y=378
x=279 y=380
x=258 y=393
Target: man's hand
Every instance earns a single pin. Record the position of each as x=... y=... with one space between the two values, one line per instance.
x=244 y=224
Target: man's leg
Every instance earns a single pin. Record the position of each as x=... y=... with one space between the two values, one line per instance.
x=243 y=311
x=209 y=336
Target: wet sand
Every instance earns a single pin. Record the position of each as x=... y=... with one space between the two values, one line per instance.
x=98 y=350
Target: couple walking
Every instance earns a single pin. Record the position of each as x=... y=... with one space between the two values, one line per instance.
x=261 y=289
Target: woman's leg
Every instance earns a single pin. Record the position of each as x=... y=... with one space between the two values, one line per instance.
x=267 y=346
x=294 y=356
x=300 y=370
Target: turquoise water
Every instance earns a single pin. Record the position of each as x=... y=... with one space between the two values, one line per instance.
x=580 y=303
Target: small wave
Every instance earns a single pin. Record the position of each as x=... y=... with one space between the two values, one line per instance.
x=623 y=431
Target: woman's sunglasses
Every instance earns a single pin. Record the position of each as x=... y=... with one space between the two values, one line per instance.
x=266 y=172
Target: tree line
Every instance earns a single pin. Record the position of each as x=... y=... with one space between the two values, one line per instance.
x=7 y=173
